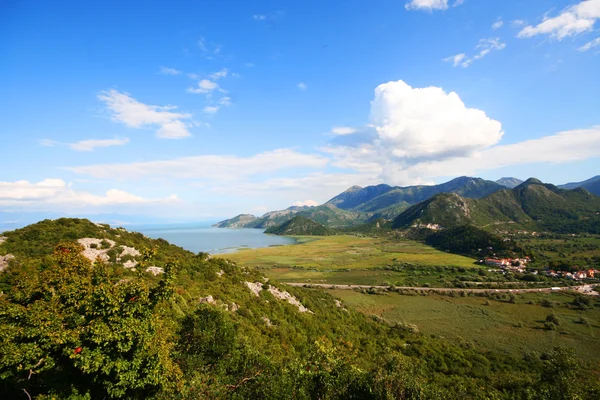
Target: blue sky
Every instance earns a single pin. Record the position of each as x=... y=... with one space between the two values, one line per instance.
x=201 y=110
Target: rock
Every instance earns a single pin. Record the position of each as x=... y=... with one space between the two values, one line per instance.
x=255 y=287
x=154 y=270
x=267 y=321
x=130 y=264
x=234 y=307
x=220 y=273
x=2 y=239
x=4 y=260
x=338 y=303
x=131 y=251
x=283 y=295
x=208 y=299
x=93 y=253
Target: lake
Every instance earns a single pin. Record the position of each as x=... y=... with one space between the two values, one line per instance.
x=214 y=240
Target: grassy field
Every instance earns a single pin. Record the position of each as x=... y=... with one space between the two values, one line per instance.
x=500 y=326
x=348 y=253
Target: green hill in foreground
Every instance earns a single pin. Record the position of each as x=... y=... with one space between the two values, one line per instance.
x=206 y=327
x=299 y=226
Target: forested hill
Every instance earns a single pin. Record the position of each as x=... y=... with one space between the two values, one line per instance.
x=204 y=327
x=531 y=205
x=299 y=226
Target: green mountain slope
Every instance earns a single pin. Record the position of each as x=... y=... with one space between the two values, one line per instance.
x=208 y=328
x=532 y=205
x=299 y=226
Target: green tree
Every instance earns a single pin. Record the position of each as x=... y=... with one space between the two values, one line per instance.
x=74 y=330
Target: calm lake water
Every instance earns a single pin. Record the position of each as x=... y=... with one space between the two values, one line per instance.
x=214 y=240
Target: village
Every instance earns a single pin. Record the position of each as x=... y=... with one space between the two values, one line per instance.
x=519 y=265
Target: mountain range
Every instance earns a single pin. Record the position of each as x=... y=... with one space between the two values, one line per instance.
x=358 y=205
x=531 y=205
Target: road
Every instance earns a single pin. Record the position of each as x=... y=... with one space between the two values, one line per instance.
x=584 y=289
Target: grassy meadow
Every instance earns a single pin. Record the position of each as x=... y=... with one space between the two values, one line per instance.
x=496 y=325
x=347 y=252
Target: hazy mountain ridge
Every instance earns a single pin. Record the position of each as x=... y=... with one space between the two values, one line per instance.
x=509 y=182
x=592 y=185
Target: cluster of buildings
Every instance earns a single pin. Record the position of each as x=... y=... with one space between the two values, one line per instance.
x=577 y=275
x=511 y=264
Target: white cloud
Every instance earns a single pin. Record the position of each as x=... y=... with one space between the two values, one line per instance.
x=204 y=86
x=302 y=86
x=302 y=203
x=210 y=109
x=209 y=50
x=571 y=21
x=125 y=109
x=259 y=17
x=56 y=192
x=429 y=123
x=456 y=59
x=590 y=44
x=225 y=101
x=428 y=5
x=169 y=71
x=343 y=130
x=518 y=22
x=484 y=47
x=219 y=74
x=213 y=167
x=498 y=24
x=91 y=144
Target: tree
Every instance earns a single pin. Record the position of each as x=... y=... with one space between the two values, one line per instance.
x=74 y=330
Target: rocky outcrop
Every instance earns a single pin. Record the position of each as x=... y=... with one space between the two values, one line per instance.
x=92 y=248
x=257 y=287
x=155 y=270
x=4 y=260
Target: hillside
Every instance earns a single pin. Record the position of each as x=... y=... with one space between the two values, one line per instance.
x=592 y=185
x=376 y=198
x=299 y=226
x=239 y=221
x=208 y=328
x=532 y=205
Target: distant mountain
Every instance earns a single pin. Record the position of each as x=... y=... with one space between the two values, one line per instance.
x=592 y=185
x=375 y=199
x=532 y=204
x=299 y=226
x=509 y=182
x=239 y=221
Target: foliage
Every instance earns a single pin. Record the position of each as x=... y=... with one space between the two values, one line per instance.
x=299 y=225
x=74 y=329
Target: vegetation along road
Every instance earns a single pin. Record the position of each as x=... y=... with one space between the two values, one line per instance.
x=584 y=289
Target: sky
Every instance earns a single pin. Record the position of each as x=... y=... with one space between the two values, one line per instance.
x=201 y=110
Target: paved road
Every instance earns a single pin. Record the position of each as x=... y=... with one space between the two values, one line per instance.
x=585 y=289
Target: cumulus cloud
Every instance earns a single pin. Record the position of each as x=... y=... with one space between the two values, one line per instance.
x=302 y=86
x=127 y=110
x=343 y=130
x=57 y=192
x=302 y=203
x=213 y=167
x=204 y=86
x=427 y=5
x=219 y=74
x=590 y=44
x=421 y=123
x=210 y=109
x=571 y=21
x=484 y=47
x=91 y=144
x=498 y=24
